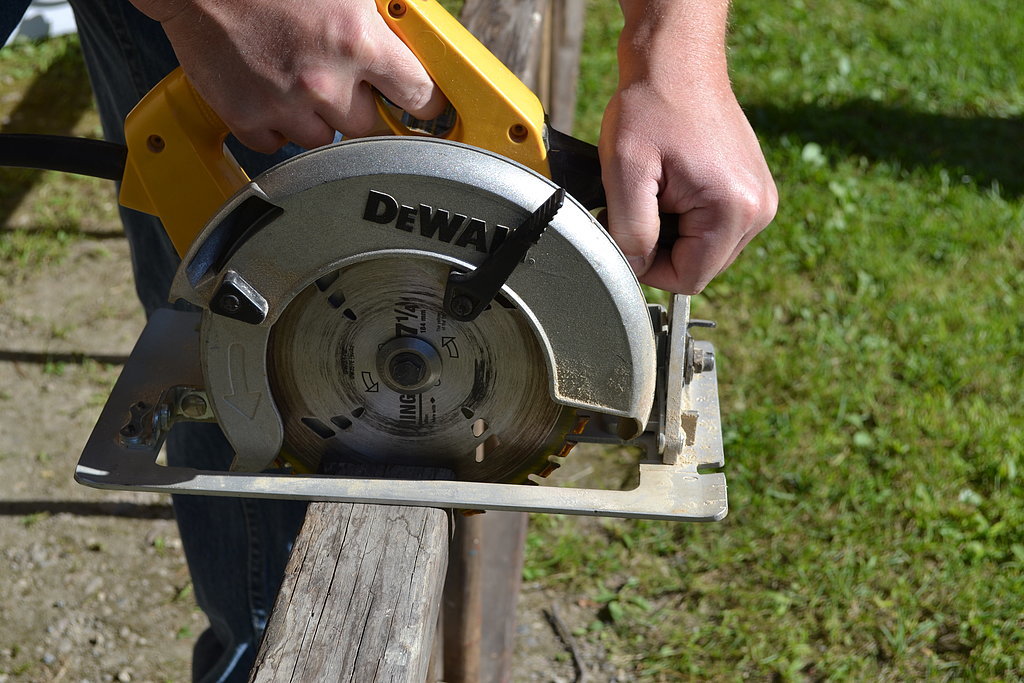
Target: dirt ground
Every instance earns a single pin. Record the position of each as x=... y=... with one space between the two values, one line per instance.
x=95 y=586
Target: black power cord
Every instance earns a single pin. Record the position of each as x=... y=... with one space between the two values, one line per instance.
x=84 y=156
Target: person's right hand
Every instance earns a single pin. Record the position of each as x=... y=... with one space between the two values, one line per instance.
x=281 y=70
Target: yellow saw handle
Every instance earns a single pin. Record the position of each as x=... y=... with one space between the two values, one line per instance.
x=178 y=169
x=495 y=111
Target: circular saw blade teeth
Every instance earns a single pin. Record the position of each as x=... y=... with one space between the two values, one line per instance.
x=347 y=362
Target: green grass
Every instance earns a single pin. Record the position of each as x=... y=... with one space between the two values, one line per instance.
x=44 y=89
x=871 y=354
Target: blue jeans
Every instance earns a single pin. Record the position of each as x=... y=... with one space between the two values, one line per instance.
x=236 y=547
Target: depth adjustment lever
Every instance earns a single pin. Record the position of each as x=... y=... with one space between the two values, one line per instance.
x=468 y=294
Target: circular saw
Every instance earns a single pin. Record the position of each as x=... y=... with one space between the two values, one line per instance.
x=425 y=317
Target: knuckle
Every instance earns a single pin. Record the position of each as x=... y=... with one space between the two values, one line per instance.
x=747 y=202
x=355 y=41
x=771 y=207
x=754 y=202
x=317 y=84
x=313 y=139
x=264 y=142
x=418 y=96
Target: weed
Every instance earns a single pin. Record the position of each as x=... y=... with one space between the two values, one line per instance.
x=184 y=593
x=31 y=520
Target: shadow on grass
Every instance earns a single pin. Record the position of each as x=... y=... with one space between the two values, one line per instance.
x=987 y=149
x=53 y=104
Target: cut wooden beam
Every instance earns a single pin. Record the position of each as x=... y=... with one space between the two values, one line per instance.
x=360 y=596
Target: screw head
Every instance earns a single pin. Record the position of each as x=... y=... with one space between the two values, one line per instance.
x=703 y=361
x=462 y=305
x=193 y=405
x=407 y=369
x=155 y=144
x=230 y=303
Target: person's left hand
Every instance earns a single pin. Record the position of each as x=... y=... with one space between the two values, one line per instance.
x=674 y=139
x=697 y=158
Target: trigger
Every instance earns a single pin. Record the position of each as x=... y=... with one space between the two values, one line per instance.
x=402 y=122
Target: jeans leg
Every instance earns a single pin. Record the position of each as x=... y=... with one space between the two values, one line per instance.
x=236 y=548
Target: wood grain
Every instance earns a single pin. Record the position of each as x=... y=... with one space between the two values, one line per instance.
x=360 y=596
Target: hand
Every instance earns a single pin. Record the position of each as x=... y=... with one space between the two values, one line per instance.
x=675 y=139
x=278 y=70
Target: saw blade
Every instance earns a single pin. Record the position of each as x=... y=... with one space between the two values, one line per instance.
x=367 y=369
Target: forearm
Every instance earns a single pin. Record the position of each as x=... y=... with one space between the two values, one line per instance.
x=674 y=43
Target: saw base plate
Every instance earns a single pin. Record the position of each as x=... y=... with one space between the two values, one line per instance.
x=165 y=362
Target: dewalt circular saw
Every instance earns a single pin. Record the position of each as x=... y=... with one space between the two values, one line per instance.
x=429 y=317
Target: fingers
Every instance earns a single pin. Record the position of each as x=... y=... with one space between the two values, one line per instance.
x=400 y=76
x=377 y=58
x=708 y=238
x=717 y=218
x=631 y=189
x=711 y=237
x=305 y=129
x=324 y=82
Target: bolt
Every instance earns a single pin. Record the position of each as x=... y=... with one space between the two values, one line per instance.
x=230 y=303
x=703 y=361
x=161 y=417
x=407 y=369
x=462 y=305
x=193 y=405
x=518 y=133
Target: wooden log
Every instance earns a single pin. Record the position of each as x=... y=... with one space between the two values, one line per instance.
x=511 y=29
x=360 y=596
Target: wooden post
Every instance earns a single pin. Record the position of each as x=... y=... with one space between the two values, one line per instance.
x=511 y=29
x=360 y=596
x=564 y=38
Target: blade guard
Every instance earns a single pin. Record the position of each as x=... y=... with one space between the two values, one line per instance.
x=322 y=198
x=179 y=170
